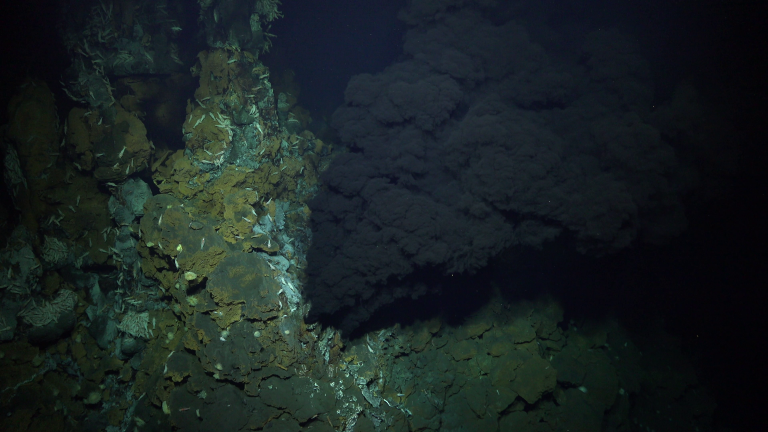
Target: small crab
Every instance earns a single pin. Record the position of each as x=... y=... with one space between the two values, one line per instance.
x=224 y=123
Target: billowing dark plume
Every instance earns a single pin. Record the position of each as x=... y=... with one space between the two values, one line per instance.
x=479 y=141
